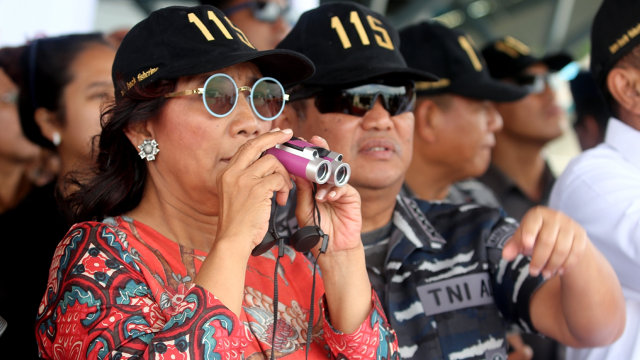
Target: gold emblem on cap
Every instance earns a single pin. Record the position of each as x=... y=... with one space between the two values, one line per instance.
x=141 y=76
x=512 y=47
x=466 y=45
x=624 y=39
x=427 y=85
x=145 y=74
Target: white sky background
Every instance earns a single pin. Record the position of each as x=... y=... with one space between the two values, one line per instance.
x=23 y=20
x=28 y=19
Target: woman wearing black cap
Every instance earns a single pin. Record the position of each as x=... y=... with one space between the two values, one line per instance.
x=159 y=263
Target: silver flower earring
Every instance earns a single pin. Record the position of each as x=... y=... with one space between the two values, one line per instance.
x=148 y=149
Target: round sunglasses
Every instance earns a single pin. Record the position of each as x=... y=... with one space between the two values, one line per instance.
x=360 y=99
x=220 y=96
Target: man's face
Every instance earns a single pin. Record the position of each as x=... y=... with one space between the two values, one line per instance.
x=536 y=117
x=263 y=34
x=462 y=136
x=377 y=146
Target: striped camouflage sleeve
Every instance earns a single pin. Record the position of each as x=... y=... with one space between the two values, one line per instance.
x=513 y=287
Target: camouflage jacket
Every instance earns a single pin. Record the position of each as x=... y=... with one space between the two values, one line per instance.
x=445 y=288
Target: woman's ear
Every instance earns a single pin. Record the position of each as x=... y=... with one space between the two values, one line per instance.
x=49 y=125
x=425 y=112
x=139 y=132
x=624 y=86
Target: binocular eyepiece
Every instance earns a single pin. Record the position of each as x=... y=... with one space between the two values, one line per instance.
x=314 y=163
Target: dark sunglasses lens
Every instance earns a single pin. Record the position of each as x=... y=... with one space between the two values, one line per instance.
x=220 y=95
x=357 y=101
x=533 y=83
x=398 y=99
x=337 y=102
x=268 y=98
x=525 y=80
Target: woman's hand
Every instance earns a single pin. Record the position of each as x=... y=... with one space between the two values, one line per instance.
x=339 y=207
x=246 y=187
x=344 y=273
x=245 y=190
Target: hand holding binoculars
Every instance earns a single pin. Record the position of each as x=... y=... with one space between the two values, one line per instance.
x=318 y=165
x=314 y=163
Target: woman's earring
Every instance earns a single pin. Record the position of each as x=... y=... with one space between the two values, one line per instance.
x=148 y=149
x=55 y=138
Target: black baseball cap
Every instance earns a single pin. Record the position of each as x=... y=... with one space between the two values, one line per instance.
x=508 y=57
x=181 y=41
x=614 y=33
x=349 y=45
x=450 y=54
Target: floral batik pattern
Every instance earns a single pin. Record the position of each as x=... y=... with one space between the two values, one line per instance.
x=120 y=290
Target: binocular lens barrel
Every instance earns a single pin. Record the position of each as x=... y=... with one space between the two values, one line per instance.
x=316 y=164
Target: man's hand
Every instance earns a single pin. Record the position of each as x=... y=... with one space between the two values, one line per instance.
x=583 y=305
x=553 y=240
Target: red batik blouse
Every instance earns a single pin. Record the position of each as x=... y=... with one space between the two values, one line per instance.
x=118 y=289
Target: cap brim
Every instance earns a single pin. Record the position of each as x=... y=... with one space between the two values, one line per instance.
x=480 y=88
x=342 y=77
x=556 y=62
x=288 y=67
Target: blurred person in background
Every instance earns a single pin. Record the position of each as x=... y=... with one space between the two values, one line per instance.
x=591 y=111
x=264 y=22
x=65 y=85
x=17 y=154
x=65 y=80
x=600 y=188
x=519 y=174
x=116 y=36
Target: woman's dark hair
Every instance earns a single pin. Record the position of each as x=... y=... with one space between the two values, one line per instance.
x=10 y=62
x=46 y=67
x=118 y=180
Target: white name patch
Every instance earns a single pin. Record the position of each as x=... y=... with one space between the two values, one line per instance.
x=456 y=293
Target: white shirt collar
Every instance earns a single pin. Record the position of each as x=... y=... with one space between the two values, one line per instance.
x=624 y=139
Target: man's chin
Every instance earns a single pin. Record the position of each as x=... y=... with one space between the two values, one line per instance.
x=377 y=182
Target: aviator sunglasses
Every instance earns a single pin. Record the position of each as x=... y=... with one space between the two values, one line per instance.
x=360 y=99
x=534 y=84
x=220 y=96
x=267 y=11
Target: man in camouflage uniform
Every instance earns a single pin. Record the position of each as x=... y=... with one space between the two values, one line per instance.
x=450 y=276
x=455 y=119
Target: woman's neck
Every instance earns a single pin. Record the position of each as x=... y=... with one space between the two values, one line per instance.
x=14 y=185
x=175 y=220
